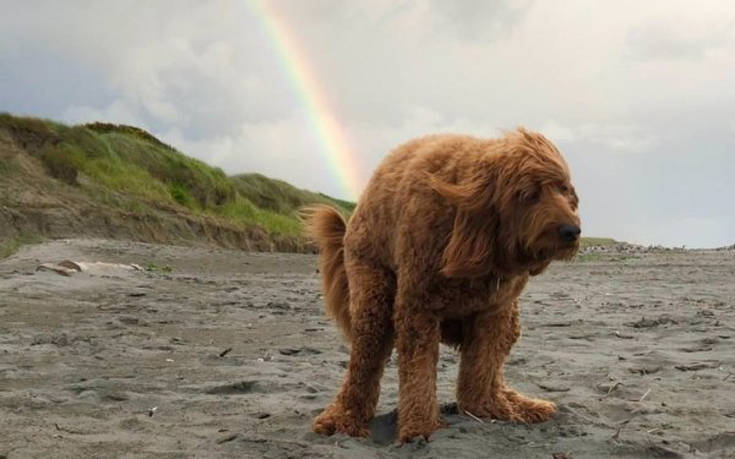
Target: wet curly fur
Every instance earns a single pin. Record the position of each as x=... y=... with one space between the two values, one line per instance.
x=439 y=248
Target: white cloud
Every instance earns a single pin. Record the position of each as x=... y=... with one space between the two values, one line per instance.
x=119 y=112
x=609 y=139
x=558 y=133
x=637 y=94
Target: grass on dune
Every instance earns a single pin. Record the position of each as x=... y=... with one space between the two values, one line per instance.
x=121 y=164
x=280 y=196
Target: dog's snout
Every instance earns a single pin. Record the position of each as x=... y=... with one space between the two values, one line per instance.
x=569 y=233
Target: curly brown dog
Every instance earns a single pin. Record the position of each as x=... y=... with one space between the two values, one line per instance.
x=439 y=248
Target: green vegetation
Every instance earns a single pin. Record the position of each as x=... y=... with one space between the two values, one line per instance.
x=596 y=242
x=279 y=196
x=10 y=246
x=127 y=168
x=608 y=257
x=587 y=257
x=154 y=268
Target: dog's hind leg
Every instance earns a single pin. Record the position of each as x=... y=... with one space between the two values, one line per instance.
x=372 y=291
x=481 y=388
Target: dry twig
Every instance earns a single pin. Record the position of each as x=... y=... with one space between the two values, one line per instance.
x=474 y=417
x=225 y=352
x=620 y=427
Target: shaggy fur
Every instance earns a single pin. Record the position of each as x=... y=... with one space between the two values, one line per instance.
x=439 y=248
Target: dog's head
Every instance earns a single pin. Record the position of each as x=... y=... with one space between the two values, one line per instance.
x=516 y=209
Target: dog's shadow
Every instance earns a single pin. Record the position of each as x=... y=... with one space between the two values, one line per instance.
x=384 y=428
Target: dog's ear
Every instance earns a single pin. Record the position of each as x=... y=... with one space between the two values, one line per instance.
x=469 y=250
x=473 y=193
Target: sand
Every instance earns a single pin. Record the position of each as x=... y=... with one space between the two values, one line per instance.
x=216 y=353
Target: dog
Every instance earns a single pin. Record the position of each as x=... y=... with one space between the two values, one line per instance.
x=442 y=242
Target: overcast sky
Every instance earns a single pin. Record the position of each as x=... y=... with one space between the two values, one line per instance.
x=639 y=96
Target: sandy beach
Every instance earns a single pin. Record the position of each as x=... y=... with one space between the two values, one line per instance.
x=218 y=353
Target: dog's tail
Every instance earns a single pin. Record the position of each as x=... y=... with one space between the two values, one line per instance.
x=326 y=227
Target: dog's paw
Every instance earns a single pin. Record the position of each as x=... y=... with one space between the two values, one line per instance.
x=333 y=421
x=530 y=410
x=496 y=407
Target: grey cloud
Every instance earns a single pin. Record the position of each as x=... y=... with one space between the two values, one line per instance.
x=477 y=19
x=637 y=95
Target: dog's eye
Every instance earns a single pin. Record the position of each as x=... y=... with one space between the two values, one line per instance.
x=530 y=196
x=564 y=189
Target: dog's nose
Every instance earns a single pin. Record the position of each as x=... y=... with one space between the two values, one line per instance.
x=569 y=233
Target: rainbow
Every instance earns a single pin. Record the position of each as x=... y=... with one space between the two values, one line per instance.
x=331 y=135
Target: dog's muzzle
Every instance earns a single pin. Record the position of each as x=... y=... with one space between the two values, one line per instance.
x=569 y=233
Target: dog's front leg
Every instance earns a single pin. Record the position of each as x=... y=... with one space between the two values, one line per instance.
x=417 y=341
x=481 y=388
